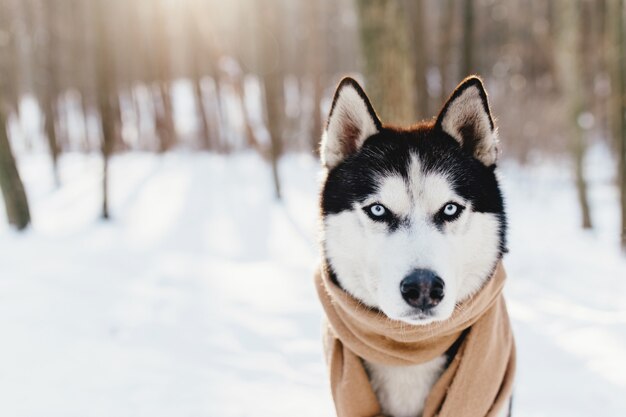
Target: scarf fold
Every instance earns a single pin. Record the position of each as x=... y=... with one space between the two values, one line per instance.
x=478 y=381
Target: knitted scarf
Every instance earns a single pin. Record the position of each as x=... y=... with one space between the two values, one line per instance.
x=477 y=382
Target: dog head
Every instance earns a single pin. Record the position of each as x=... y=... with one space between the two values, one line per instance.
x=413 y=218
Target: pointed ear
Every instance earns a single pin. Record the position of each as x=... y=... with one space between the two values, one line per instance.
x=467 y=118
x=352 y=119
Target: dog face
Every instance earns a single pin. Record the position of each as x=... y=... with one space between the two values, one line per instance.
x=413 y=219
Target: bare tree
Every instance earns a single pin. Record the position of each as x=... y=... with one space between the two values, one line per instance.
x=106 y=96
x=15 y=201
x=162 y=93
x=273 y=80
x=316 y=64
x=198 y=48
x=49 y=84
x=570 y=59
x=445 y=48
x=619 y=103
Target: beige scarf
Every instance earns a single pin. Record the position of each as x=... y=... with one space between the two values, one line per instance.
x=478 y=381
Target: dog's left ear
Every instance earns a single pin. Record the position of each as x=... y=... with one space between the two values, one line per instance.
x=467 y=118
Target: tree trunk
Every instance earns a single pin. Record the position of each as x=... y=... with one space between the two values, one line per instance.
x=578 y=150
x=316 y=64
x=419 y=53
x=49 y=110
x=14 y=196
x=467 y=63
x=221 y=144
x=164 y=118
x=273 y=103
x=15 y=200
x=198 y=47
x=239 y=90
x=445 y=47
x=317 y=126
x=86 y=142
x=207 y=141
x=388 y=70
x=201 y=109
x=585 y=88
x=570 y=61
x=619 y=105
x=106 y=94
x=50 y=84
x=273 y=82
x=165 y=127
x=215 y=116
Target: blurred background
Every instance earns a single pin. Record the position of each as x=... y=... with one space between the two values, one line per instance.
x=159 y=176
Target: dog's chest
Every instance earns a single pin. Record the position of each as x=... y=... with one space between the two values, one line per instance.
x=402 y=390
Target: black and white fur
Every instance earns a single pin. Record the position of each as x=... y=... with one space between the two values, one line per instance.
x=414 y=174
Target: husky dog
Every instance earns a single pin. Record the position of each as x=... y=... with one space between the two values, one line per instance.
x=413 y=219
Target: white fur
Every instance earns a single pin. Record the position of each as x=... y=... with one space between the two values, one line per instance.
x=370 y=262
x=468 y=108
x=402 y=390
x=349 y=109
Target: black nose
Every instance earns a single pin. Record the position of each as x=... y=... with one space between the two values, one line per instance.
x=422 y=289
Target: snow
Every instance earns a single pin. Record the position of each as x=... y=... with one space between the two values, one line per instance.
x=197 y=298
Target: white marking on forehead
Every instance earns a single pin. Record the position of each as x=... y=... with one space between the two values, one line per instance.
x=429 y=190
x=393 y=192
x=425 y=191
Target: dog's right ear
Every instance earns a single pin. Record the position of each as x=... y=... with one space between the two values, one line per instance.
x=467 y=118
x=352 y=119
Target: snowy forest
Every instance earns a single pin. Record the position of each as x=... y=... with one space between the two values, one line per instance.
x=159 y=168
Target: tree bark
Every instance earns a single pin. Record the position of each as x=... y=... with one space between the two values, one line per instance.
x=15 y=200
x=206 y=141
x=50 y=86
x=273 y=82
x=445 y=47
x=14 y=196
x=106 y=95
x=198 y=47
x=315 y=66
x=619 y=105
x=388 y=72
x=467 y=63
x=419 y=53
x=570 y=60
x=578 y=150
x=165 y=127
x=317 y=127
x=215 y=116
x=49 y=110
x=164 y=116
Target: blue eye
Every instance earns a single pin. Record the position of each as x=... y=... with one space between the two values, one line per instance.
x=451 y=211
x=377 y=210
x=381 y=214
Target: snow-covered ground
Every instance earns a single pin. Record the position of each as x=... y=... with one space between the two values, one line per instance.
x=197 y=298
